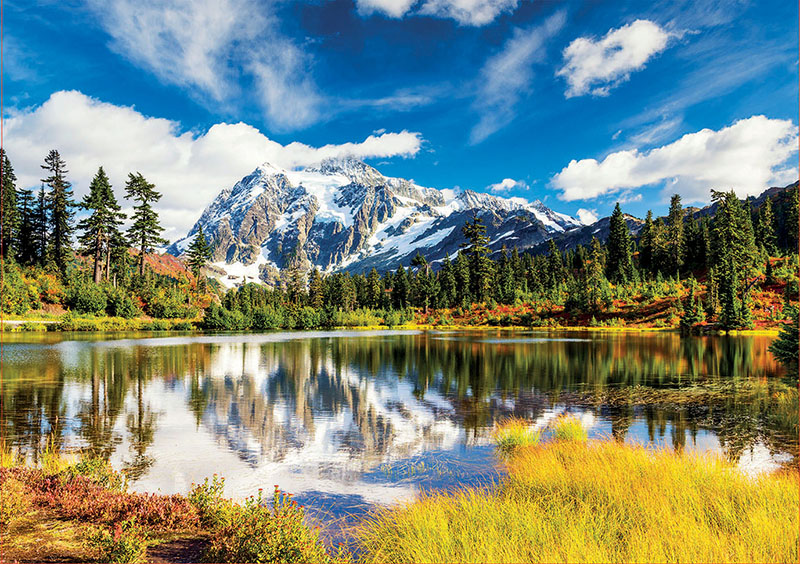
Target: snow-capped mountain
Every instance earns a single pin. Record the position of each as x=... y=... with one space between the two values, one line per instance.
x=344 y=214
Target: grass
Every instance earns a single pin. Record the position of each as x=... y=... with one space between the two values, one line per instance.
x=596 y=501
x=569 y=428
x=514 y=434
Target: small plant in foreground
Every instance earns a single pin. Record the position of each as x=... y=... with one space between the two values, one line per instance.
x=569 y=428
x=258 y=533
x=125 y=542
x=513 y=434
x=214 y=510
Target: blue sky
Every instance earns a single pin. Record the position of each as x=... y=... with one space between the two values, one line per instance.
x=577 y=104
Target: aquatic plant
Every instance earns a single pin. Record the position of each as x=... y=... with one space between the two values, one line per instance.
x=569 y=428
x=513 y=434
x=597 y=502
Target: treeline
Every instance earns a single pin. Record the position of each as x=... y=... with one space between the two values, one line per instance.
x=729 y=251
x=42 y=265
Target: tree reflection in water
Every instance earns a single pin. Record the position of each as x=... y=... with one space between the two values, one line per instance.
x=355 y=402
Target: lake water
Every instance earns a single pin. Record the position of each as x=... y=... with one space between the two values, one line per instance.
x=348 y=420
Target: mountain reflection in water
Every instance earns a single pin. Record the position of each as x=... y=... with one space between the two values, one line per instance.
x=347 y=420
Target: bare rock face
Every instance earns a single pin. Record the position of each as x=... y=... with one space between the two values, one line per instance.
x=344 y=214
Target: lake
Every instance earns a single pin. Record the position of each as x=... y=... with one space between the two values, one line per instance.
x=346 y=420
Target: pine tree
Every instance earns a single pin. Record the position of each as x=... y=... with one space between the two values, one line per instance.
x=423 y=283
x=26 y=236
x=447 y=284
x=786 y=346
x=9 y=212
x=99 y=228
x=374 y=289
x=60 y=210
x=693 y=313
x=401 y=288
x=481 y=268
x=765 y=234
x=145 y=232
x=594 y=275
x=316 y=289
x=675 y=235
x=198 y=253
x=40 y=228
x=555 y=266
x=619 y=264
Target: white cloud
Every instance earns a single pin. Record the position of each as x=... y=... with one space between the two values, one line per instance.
x=468 y=12
x=207 y=46
x=507 y=76
x=506 y=185
x=747 y=156
x=596 y=66
x=465 y=12
x=587 y=217
x=391 y=8
x=189 y=168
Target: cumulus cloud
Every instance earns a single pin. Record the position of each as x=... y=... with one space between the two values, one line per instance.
x=587 y=217
x=208 y=45
x=747 y=156
x=189 y=168
x=506 y=185
x=596 y=66
x=465 y=12
x=507 y=76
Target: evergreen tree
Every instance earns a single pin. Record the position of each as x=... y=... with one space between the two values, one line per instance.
x=145 y=232
x=60 y=210
x=26 y=236
x=594 y=276
x=424 y=288
x=40 y=228
x=401 y=288
x=646 y=244
x=693 y=313
x=765 y=234
x=619 y=264
x=675 y=235
x=481 y=267
x=448 y=294
x=786 y=346
x=9 y=212
x=316 y=289
x=198 y=253
x=374 y=289
x=101 y=226
x=555 y=266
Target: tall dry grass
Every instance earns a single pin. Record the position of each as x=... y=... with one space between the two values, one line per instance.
x=600 y=501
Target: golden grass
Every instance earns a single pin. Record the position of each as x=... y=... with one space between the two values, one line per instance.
x=514 y=434
x=597 y=502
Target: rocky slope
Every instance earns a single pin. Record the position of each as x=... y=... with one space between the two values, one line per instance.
x=344 y=214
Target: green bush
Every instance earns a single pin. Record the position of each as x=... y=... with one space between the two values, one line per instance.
x=258 y=533
x=214 y=510
x=125 y=542
x=14 y=295
x=267 y=318
x=120 y=304
x=33 y=326
x=99 y=471
x=86 y=297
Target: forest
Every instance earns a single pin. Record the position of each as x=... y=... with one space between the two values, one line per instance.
x=74 y=263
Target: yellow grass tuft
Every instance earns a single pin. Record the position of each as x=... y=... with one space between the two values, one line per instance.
x=513 y=434
x=597 y=502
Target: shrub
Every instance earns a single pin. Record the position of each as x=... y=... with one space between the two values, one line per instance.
x=264 y=319
x=125 y=542
x=98 y=471
x=86 y=297
x=170 y=303
x=14 y=500
x=213 y=509
x=258 y=533
x=120 y=304
x=33 y=326
x=183 y=326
